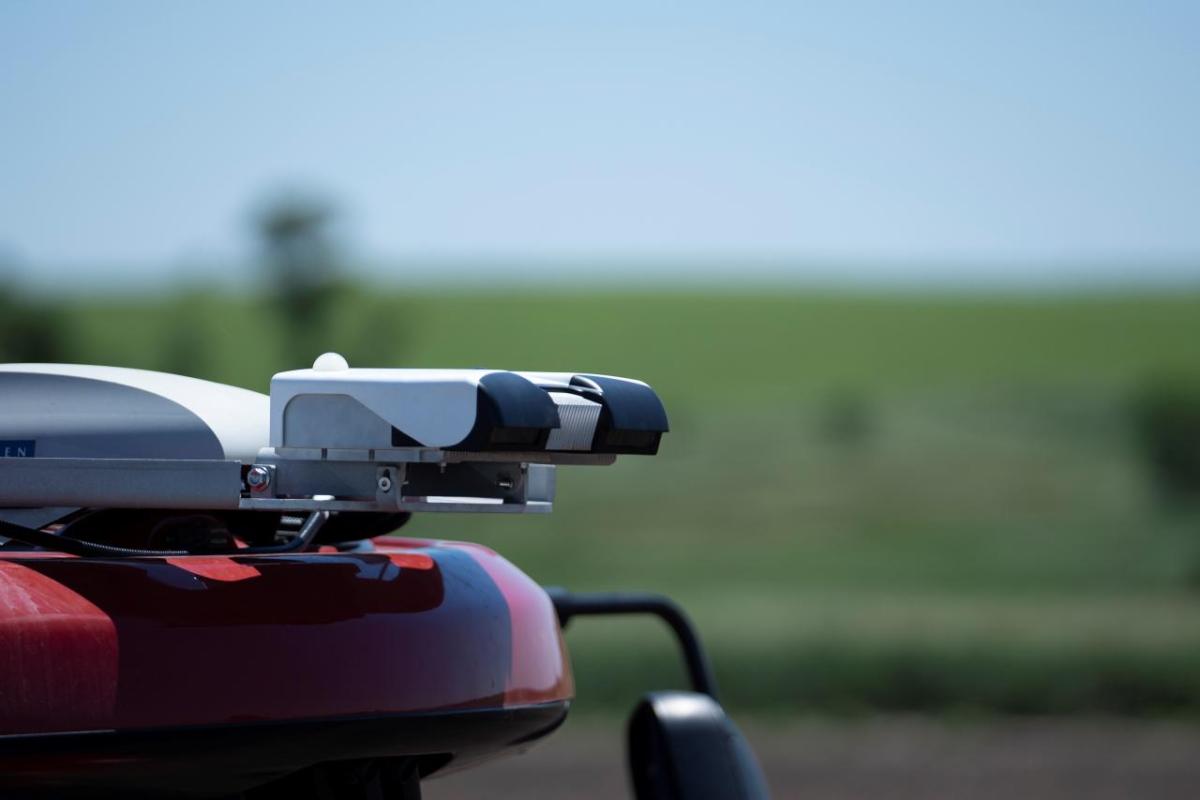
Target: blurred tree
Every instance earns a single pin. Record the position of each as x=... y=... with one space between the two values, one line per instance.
x=31 y=330
x=1166 y=417
x=847 y=417
x=303 y=271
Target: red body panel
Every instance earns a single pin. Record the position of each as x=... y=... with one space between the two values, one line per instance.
x=413 y=626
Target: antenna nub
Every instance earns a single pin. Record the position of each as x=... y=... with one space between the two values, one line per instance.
x=330 y=362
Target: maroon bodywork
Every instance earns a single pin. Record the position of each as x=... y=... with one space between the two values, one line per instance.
x=101 y=651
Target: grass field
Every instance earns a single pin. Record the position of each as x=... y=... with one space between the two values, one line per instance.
x=900 y=502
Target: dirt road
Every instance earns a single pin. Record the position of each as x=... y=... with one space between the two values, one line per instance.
x=895 y=758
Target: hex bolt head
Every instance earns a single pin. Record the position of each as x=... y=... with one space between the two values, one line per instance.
x=258 y=478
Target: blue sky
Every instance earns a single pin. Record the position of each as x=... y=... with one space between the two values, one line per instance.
x=1020 y=139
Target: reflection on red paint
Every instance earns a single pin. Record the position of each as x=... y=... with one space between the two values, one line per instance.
x=58 y=656
x=411 y=560
x=406 y=627
x=539 y=668
x=217 y=568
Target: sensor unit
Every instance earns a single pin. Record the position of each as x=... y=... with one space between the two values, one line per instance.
x=328 y=438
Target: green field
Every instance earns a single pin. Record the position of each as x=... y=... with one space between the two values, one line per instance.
x=925 y=502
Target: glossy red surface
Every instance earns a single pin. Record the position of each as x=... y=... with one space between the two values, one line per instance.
x=89 y=644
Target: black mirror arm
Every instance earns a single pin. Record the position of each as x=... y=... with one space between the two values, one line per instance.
x=571 y=604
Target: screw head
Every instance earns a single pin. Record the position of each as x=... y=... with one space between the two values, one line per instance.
x=385 y=483
x=258 y=478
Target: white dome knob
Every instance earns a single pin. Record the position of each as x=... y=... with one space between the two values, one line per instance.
x=330 y=362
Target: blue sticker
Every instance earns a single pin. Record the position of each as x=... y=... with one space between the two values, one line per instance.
x=17 y=448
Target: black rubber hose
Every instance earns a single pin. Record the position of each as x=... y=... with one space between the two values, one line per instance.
x=699 y=669
x=75 y=547
x=78 y=547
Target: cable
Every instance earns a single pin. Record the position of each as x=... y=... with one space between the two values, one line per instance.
x=75 y=547
x=78 y=547
x=301 y=541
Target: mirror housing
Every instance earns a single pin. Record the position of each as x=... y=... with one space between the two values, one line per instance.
x=683 y=746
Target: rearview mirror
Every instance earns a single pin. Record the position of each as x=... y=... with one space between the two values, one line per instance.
x=682 y=746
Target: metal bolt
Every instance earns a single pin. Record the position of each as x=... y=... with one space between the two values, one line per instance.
x=385 y=484
x=258 y=478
